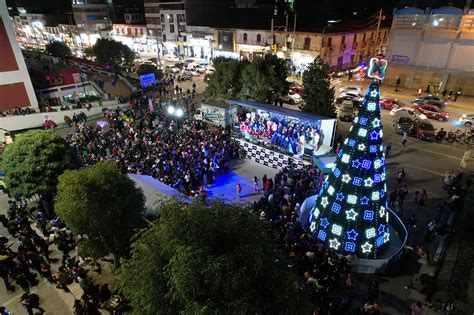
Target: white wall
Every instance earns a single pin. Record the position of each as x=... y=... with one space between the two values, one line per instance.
x=36 y=120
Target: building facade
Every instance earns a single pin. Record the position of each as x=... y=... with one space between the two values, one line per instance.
x=16 y=89
x=91 y=16
x=432 y=46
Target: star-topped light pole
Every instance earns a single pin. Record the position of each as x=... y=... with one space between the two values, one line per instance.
x=350 y=214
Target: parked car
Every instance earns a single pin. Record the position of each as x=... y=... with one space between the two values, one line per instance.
x=346 y=112
x=171 y=58
x=180 y=65
x=171 y=69
x=209 y=70
x=423 y=129
x=430 y=99
x=433 y=112
x=292 y=98
x=295 y=87
x=351 y=88
x=403 y=124
x=467 y=119
x=190 y=72
x=356 y=97
x=391 y=103
x=407 y=111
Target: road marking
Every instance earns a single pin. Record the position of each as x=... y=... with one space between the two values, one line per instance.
x=424 y=169
x=396 y=95
x=442 y=154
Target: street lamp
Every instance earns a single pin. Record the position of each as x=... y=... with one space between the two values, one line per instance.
x=176 y=113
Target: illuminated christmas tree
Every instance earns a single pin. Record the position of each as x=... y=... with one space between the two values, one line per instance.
x=350 y=214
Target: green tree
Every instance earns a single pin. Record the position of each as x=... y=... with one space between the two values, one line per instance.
x=264 y=80
x=207 y=259
x=113 y=52
x=58 y=49
x=102 y=204
x=146 y=68
x=318 y=94
x=33 y=162
x=226 y=81
x=89 y=52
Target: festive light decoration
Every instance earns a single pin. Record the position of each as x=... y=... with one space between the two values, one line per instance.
x=357 y=190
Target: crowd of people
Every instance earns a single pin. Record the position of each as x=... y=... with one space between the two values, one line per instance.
x=21 y=269
x=184 y=155
x=324 y=277
x=290 y=134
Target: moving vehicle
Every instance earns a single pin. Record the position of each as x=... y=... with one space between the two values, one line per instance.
x=433 y=112
x=190 y=72
x=292 y=98
x=407 y=111
x=213 y=114
x=357 y=98
x=351 y=88
x=391 y=103
x=423 y=129
x=467 y=119
x=430 y=99
x=346 y=112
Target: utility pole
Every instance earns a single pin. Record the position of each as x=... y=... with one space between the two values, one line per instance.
x=294 y=37
x=379 y=19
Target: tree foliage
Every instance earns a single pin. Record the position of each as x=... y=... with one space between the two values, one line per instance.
x=33 y=162
x=318 y=94
x=88 y=52
x=264 y=80
x=146 y=68
x=207 y=259
x=112 y=52
x=58 y=49
x=102 y=204
x=226 y=81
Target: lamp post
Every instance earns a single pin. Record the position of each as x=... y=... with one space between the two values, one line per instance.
x=176 y=113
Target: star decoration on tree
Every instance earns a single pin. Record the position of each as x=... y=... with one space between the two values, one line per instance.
x=334 y=243
x=364 y=201
x=361 y=147
x=368 y=182
x=313 y=226
x=367 y=247
x=351 y=215
x=324 y=222
x=346 y=178
x=324 y=201
x=381 y=228
x=376 y=123
x=356 y=163
x=373 y=94
x=352 y=235
x=374 y=135
x=340 y=196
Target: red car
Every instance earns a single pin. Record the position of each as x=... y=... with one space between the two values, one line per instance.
x=391 y=103
x=433 y=112
x=295 y=87
x=423 y=130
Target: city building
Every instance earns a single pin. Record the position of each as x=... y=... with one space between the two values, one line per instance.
x=198 y=42
x=432 y=46
x=91 y=16
x=132 y=35
x=16 y=89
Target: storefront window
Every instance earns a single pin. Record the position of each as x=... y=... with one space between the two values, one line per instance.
x=245 y=37
x=259 y=38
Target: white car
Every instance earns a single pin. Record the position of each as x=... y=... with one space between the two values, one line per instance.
x=407 y=111
x=190 y=72
x=351 y=88
x=209 y=70
x=292 y=98
x=467 y=120
x=171 y=58
x=171 y=69
x=356 y=96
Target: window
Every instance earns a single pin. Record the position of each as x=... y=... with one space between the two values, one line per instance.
x=355 y=38
x=343 y=40
x=259 y=38
x=307 y=43
x=245 y=37
x=371 y=35
x=385 y=35
x=162 y=17
x=171 y=28
x=129 y=31
x=171 y=18
x=363 y=37
x=164 y=37
x=329 y=41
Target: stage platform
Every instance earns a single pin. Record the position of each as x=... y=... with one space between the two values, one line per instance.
x=274 y=159
x=224 y=187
